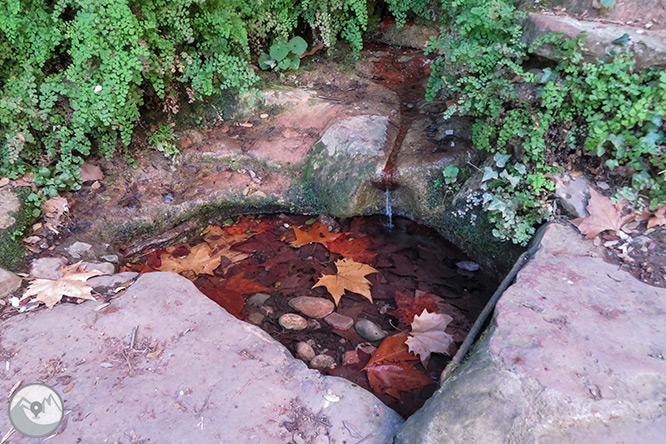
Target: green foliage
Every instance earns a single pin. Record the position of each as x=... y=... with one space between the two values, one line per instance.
x=533 y=120
x=75 y=74
x=163 y=139
x=284 y=55
x=450 y=174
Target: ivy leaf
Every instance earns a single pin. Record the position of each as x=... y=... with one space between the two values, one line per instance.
x=608 y=4
x=350 y=276
x=428 y=335
x=513 y=180
x=603 y=216
x=501 y=159
x=488 y=174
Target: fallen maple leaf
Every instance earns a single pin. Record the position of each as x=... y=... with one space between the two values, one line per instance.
x=243 y=286
x=428 y=335
x=658 y=218
x=350 y=276
x=318 y=233
x=409 y=307
x=391 y=368
x=201 y=260
x=90 y=172
x=603 y=216
x=55 y=207
x=71 y=284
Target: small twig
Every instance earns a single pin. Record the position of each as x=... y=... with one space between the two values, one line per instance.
x=472 y=165
x=16 y=386
x=314 y=49
x=332 y=99
x=133 y=337
x=203 y=406
x=616 y=280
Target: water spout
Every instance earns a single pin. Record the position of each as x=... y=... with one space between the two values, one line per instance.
x=389 y=210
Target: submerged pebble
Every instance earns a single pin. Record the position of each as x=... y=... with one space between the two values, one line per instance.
x=369 y=331
x=292 y=321
x=312 y=307
x=322 y=361
x=304 y=351
x=468 y=265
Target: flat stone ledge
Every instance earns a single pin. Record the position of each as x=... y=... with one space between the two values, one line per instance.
x=575 y=354
x=649 y=46
x=216 y=379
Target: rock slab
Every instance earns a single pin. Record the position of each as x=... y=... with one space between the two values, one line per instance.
x=575 y=354
x=9 y=282
x=217 y=379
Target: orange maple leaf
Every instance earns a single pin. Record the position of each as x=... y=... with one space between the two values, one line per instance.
x=391 y=368
x=603 y=216
x=350 y=276
x=201 y=260
x=318 y=233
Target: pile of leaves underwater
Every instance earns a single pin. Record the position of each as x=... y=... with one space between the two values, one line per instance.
x=407 y=280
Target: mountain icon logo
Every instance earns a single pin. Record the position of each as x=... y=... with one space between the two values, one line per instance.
x=36 y=410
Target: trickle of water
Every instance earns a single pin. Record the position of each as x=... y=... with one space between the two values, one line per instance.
x=389 y=210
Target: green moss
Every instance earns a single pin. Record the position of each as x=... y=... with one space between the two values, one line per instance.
x=12 y=248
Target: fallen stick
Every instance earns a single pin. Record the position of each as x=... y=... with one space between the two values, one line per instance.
x=490 y=306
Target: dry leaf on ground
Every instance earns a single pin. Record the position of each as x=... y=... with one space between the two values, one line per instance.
x=658 y=218
x=428 y=335
x=71 y=284
x=90 y=172
x=55 y=207
x=603 y=216
x=201 y=260
x=350 y=276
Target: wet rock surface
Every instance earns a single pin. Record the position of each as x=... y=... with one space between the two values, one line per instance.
x=216 y=379
x=575 y=355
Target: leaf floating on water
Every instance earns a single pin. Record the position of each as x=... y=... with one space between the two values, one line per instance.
x=428 y=335
x=350 y=276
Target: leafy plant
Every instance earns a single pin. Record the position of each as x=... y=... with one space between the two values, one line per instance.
x=607 y=110
x=284 y=55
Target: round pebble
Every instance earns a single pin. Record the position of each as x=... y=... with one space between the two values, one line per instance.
x=322 y=361
x=369 y=330
x=255 y=318
x=304 y=351
x=292 y=321
x=312 y=307
x=263 y=116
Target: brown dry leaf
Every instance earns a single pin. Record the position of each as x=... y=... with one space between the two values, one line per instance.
x=68 y=388
x=154 y=354
x=318 y=233
x=72 y=284
x=428 y=335
x=603 y=216
x=55 y=207
x=201 y=260
x=658 y=218
x=350 y=276
x=90 y=172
